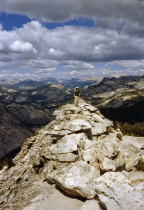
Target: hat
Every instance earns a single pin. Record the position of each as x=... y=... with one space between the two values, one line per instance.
x=77 y=87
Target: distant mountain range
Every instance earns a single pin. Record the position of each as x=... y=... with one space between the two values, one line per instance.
x=71 y=83
x=119 y=98
x=27 y=105
x=23 y=111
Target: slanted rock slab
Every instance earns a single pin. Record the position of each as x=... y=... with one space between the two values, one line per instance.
x=78 y=125
x=68 y=157
x=132 y=161
x=64 y=145
x=115 y=191
x=76 y=179
x=98 y=129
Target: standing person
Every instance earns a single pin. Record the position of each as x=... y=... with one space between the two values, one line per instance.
x=76 y=96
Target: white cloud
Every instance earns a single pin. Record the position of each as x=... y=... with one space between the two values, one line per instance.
x=39 y=49
x=77 y=65
x=19 y=46
x=55 y=53
x=116 y=38
x=129 y=64
x=15 y=75
x=84 y=44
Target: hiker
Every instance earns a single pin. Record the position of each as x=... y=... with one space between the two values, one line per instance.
x=76 y=96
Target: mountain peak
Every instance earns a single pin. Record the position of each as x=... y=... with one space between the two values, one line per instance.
x=81 y=154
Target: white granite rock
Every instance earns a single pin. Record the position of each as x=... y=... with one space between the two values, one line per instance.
x=89 y=154
x=108 y=148
x=132 y=161
x=116 y=192
x=78 y=125
x=64 y=145
x=108 y=153
x=68 y=157
x=107 y=164
x=134 y=176
x=91 y=205
x=97 y=118
x=51 y=199
x=98 y=129
x=136 y=142
x=86 y=113
x=77 y=179
x=85 y=144
x=70 y=153
x=90 y=108
x=70 y=143
x=60 y=132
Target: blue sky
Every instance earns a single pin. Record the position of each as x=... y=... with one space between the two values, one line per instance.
x=10 y=21
x=67 y=39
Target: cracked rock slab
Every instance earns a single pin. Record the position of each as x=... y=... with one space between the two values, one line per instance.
x=72 y=179
x=115 y=191
x=78 y=125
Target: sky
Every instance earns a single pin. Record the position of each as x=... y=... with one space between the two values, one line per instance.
x=71 y=38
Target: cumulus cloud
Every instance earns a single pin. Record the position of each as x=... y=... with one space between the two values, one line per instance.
x=83 y=44
x=73 y=43
x=19 y=46
x=75 y=48
x=117 y=36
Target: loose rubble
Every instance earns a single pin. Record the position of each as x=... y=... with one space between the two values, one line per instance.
x=80 y=155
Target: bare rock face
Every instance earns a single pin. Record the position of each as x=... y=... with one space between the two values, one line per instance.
x=76 y=179
x=75 y=154
x=115 y=191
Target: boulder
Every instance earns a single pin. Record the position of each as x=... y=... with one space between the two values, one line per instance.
x=69 y=143
x=75 y=154
x=76 y=179
x=115 y=191
x=108 y=146
x=108 y=153
x=78 y=125
x=64 y=145
x=98 y=129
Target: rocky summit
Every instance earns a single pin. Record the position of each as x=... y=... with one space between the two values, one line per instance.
x=77 y=162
